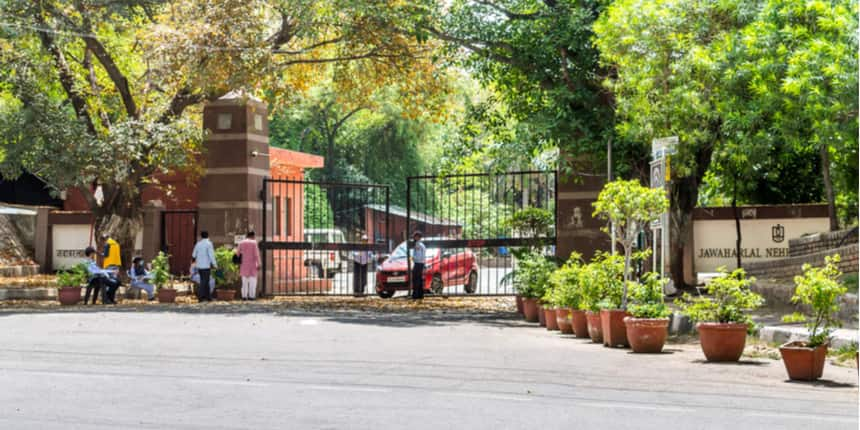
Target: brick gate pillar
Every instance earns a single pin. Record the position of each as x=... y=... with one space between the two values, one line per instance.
x=237 y=160
x=577 y=230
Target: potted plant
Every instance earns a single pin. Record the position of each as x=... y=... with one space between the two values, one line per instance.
x=160 y=273
x=594 y=294
x=565 y=282
x=530 y=222
x=226 y=275
x=819 y=290
x=69 y=284
x=550 y=304
x=629 y=207
x=648 y=323
x=721 y=316
x=531 y=279
x=607 y=274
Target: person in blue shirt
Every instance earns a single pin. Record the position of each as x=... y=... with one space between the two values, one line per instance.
x=204 y=258
x=139 y=277
x=107 y=277
x=195 y=277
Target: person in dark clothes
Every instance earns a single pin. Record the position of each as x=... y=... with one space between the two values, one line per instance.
x=419 y=253
x=107 y=277
x=360 y=260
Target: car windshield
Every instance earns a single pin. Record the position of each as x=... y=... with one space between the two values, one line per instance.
x=400 y=252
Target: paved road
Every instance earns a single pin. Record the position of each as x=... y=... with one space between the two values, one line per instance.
x=260 y=370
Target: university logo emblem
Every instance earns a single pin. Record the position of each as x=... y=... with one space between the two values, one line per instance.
x=777 y=233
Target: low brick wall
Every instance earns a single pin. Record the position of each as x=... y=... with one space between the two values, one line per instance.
x=788 y=268
x=777 y=296
x=821 y=242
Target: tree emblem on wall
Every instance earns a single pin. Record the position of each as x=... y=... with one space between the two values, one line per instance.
x=777 y=233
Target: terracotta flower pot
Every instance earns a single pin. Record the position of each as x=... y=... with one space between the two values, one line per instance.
x=612 y=326
x=519 y=301
x=225 y=295
x=541 y=315
x=562 y=318
x=647 y=335
x=530 y=310
x=551 y=323
x=69 y=295
x=166 y=295
x=802 y=362
x=595 y=330
x=579 y=322
x=722 y=341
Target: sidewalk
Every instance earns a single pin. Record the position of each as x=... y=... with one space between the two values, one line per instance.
x=786 y=333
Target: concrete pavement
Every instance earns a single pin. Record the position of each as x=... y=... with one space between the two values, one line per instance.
x=263 y=369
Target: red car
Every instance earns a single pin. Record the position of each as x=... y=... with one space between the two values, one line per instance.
x=443 y=268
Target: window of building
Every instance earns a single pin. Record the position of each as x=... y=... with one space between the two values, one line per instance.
x=277 y=202
x=225 y=121
x=288 y=202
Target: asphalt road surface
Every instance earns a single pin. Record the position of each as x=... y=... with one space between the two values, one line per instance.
x=261 y=369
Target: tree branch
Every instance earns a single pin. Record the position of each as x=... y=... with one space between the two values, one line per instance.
x=116 y=76
x=67 y=80
x=508 y=13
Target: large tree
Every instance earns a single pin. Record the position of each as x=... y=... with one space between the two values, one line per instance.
x=537 y=56
x=105 y=93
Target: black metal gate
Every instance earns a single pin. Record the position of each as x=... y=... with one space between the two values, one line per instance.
x=313 y=234
x=178 y=235
x=473 y=224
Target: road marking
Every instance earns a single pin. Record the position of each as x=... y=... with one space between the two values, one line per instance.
x=479 y=395
x=810 y=417
x=346 y=388
x=622 y=405
x=225 y=382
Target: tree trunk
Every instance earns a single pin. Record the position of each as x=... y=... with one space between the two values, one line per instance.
x=828 y=187
x=736 y=214
x=685 y=193
x=121 y=218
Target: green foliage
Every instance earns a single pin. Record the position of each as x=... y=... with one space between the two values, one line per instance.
x=532 y=277
x=602 y=282
x=566 y=283
x=820 y=289
x=646 y=298
x=629 y=207
x=532 y=222
x=228 y=272
x=729 y=300
x=76 y=276
x=318 y=213
x=160 y=270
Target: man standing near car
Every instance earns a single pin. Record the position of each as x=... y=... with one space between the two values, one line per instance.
x=419 y=253
x=360 y=260
x=204 y=258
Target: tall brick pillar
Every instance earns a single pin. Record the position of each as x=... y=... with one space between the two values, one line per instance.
x=577 y=230
x=229 y=201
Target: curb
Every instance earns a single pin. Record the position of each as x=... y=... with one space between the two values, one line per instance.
x=50 y=293
x=783 y=334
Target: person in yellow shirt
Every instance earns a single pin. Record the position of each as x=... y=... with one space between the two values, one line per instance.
x=110 y=253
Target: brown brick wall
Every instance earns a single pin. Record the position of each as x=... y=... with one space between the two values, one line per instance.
x=821 y=242
x=788 y=268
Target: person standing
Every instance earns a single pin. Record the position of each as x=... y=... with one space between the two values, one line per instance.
x=249 y=253
x=418 y=258
x=204 y=257
x=360 y=260
x=110 y=253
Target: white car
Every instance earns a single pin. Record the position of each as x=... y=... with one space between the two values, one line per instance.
x=325 y=264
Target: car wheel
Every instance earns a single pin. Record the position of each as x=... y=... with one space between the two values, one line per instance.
x=436 y=285
x=385 y=294
x=472 y=285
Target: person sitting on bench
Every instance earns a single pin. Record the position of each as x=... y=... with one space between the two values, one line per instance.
x=107 y=277
x=139 y=277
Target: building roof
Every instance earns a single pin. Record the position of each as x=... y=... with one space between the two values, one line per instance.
x=284 y=161
x=416 y=216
